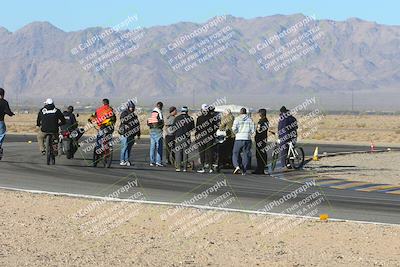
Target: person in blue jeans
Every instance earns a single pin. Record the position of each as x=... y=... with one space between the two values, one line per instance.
x=128 y=129
x=243 y=128
x=4 y=110
x=156 y=125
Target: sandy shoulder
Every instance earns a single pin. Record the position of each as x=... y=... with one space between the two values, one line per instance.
x=43 y=230
x=370 y=167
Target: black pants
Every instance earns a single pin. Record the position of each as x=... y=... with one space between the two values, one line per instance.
x=169 y=147
x=182 y=146
x=207 y=154
x=262 y=156
x=224 y=152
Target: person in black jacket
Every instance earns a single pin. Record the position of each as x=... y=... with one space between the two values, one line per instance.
x=128 y=129
x=287 y=132
x=207 y=125
x=4 y=110
x=261 y=141
x=49 y=120
x=182 y=127
x=70 y=120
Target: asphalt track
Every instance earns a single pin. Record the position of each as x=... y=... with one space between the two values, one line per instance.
x=24 y=168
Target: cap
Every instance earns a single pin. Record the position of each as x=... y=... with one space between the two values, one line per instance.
x=184 y=109
x=49 y=101
x=204 y=107
x=172 y=109
x=283 y=109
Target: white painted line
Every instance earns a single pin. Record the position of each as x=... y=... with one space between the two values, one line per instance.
x=188 y=206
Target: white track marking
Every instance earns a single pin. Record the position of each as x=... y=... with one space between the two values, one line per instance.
x=188 y=206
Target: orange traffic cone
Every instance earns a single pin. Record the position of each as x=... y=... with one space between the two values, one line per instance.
x=372 y=147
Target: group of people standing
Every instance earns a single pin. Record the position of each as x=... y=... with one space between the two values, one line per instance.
x=221 y=140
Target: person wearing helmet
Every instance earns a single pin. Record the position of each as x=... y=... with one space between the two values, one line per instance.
x=128 y=129
x=287 y=132
x=71 y=122
x=49 y=120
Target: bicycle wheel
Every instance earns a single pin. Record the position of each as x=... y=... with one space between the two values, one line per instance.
x=275 y=156
x=48 y=147
x=297 y=160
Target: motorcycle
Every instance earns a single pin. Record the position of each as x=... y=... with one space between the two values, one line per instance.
x=69 y=144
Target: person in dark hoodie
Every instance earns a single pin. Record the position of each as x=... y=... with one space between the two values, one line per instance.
x=128 y=129
x=287 y=132
x=70 y=118
x=261 y=141
x=206 y=128
x=182 y=127
x=4 y=110
x=49 y=120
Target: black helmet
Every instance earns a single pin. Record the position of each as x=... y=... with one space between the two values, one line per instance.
x=131 y=104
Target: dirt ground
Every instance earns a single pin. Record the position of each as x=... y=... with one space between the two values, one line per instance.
x=46 y=230
x=369 y=167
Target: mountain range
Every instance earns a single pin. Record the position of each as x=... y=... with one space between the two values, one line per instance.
x=41 y=60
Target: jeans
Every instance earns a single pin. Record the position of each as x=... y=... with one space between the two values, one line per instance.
x=242 y=146
x=2 y=132
x=156 y=146
x=126 y=147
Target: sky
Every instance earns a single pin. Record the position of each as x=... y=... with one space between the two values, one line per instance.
x=72 y=15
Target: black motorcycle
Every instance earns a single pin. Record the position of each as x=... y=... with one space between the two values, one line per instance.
x=69 y=142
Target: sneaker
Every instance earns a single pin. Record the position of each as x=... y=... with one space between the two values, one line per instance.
x=237 y=170
x=151 y=164
x=177 y=170
x=243 y=173
x=185 y=170
x=211 y=171
x=128 y=163
x=160 y=165
x=201 y=171
x=43 y=153
x=1 y=153
x=123 y=163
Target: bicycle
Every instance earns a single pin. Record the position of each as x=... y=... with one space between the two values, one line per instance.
x=294 y=157
x=105 y=152
x=51 y=146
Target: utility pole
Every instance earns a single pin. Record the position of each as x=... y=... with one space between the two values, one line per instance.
x=352 y=100
x=193 y=100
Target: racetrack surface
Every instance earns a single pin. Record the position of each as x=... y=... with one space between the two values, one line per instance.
x=24 y=168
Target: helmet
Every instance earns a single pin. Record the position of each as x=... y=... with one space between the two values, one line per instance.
x=131 y=104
